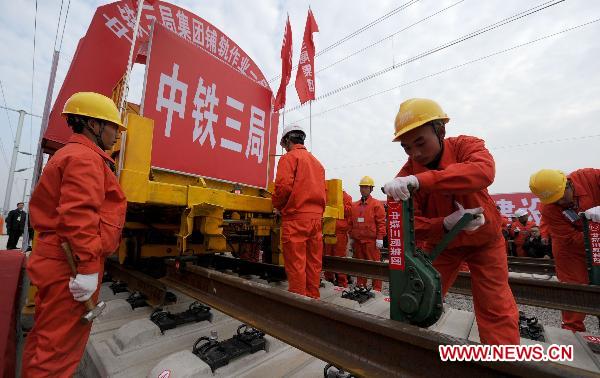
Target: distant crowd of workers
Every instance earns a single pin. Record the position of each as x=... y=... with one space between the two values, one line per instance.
x=78 y=201
x=524 y=238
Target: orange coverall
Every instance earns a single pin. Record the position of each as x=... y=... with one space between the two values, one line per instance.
x=300 y=197
x=505 y=224
x=567 y=237
x=367 y=225
x=77 y=200
x=519 y=237
x=341 y=234
x=465 y=170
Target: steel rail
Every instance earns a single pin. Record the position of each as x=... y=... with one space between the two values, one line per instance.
x=531 y=265
x=524 y=265
x=541 y=293
x=361 y=343
x=154 y=290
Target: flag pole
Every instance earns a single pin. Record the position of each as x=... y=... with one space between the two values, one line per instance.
x=310 y=122
x=125 y=88
x=283 y=126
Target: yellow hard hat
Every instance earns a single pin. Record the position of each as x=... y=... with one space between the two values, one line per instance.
x=93 y=105
x=417 y=112
x=367 y=181
x=548 y=184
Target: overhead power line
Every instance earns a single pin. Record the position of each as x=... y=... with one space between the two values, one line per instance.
x=505 y=147
x=58 y=23
x=450 y=69
x=6 y=109
x=356 y=32
x=366 y=27
x=388 y=37
x=4 y=153
x=424 y=54
x=62 y=35
x=32 y=80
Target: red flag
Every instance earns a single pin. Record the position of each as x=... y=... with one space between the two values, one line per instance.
x=149 y=2
x=305 y=77
x=286 y=65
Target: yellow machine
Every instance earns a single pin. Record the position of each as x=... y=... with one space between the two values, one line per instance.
x=172 y=214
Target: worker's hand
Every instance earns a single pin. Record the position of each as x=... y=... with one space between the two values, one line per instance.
x=398 y=188
x=83 y=286
x=379 y=244
x=277 y=212
x=452 y=219
x=593 y=214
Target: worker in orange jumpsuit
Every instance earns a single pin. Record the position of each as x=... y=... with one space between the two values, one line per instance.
x=78 y=200
x=545 y=232
x=341 y=234
x=300 y=198
x=564 y=197
x=367 y=228
x=518 y=231
x=505 y=226
x=449 y=177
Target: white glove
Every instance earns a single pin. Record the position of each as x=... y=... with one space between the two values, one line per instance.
x=83 y=286
x=398 y=187
x=452 y=219
x=593 y=214
x=379 y=244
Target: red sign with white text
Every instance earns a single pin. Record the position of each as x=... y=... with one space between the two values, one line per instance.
x=101 y=57
x=510 y=202
x=395 y=235
x=209 y=120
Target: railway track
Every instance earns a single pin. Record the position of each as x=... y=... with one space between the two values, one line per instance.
x=340 y=336
x=524 y=265
x=531 y=265
x=541 y=293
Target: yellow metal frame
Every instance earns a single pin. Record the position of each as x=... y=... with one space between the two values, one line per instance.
x=203 y=201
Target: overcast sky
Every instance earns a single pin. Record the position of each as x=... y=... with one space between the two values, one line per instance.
x=536 y=106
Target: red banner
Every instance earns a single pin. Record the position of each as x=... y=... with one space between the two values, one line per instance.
x=286 y=65
x=510 y=202
x=101 y=57
x=209 y=120
x=305 y=77
x=594 y=232
x=395 y=235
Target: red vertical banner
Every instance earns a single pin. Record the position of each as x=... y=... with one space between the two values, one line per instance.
x=594 y=232
x=305 y=77
x=395 y=235
x=286 y=65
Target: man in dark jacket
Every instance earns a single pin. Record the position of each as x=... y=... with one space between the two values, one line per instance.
x=15 y=224
x=533 y=245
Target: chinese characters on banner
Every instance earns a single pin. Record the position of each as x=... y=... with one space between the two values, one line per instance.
x=101 y=57
x=510 y=202
x=209 y=120
x=187 y=26
x=305 y=77
x=594 y=233
x=396 y=246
